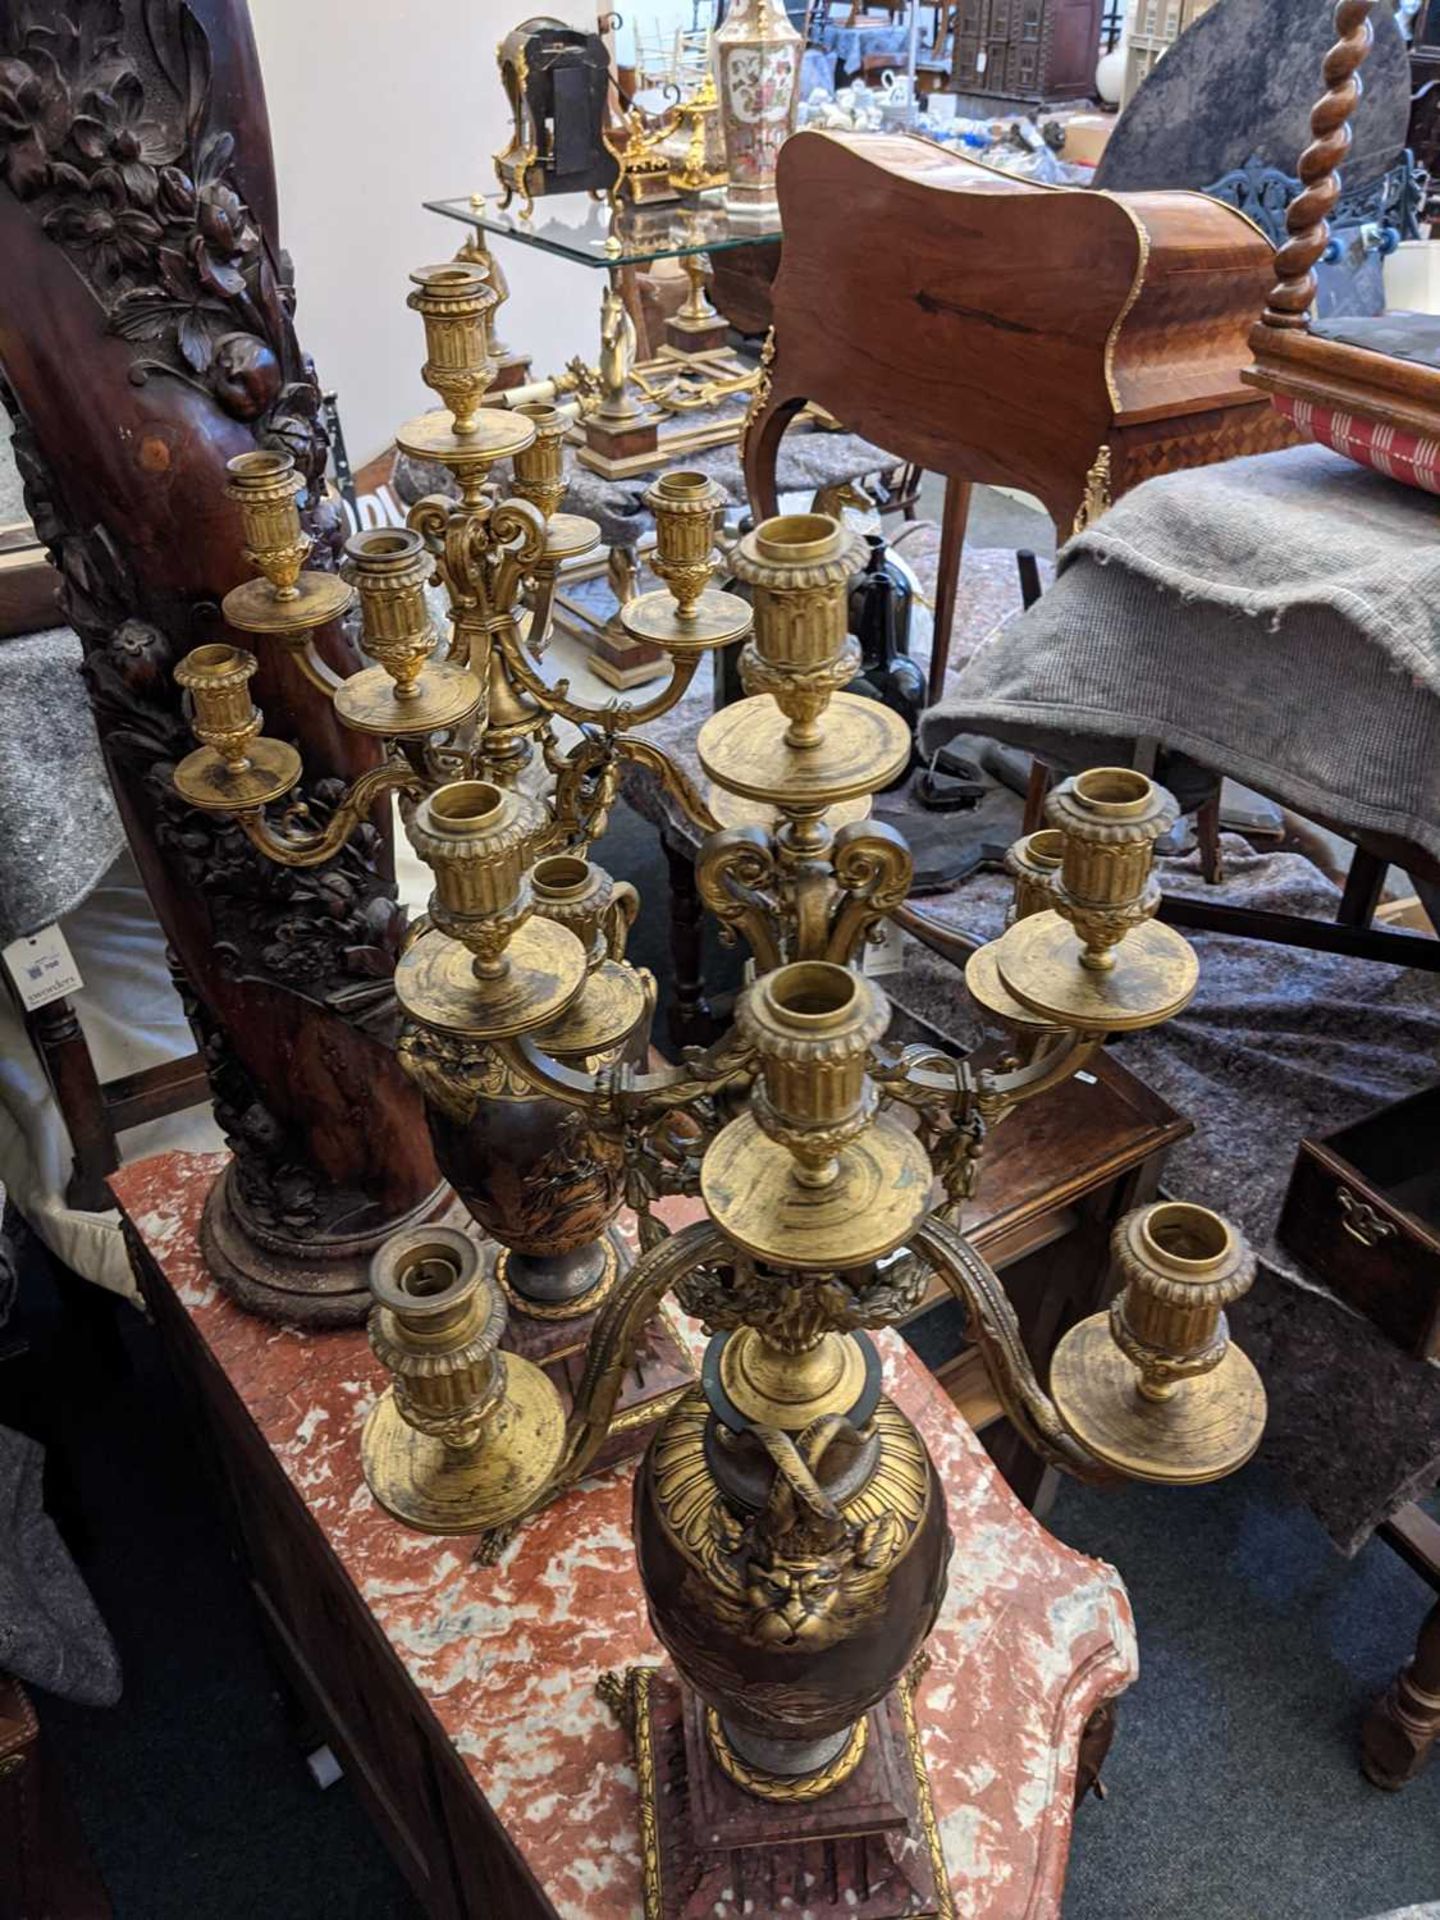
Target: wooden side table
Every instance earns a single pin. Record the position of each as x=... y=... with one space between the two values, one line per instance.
x=462 y=1699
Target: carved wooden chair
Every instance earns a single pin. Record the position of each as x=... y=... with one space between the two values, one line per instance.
x=1368 y=386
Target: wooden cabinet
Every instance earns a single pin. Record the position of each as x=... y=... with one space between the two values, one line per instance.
x=1026 y=50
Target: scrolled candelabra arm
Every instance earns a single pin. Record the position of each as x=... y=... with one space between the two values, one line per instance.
x=618 y=1092
x=292 y=844
x=993 y=1326
x=616 y=716
x=301 y=648
x=587 y=781
x=1057 y=1058
x=738 y=876
x=544 y=591
x=676 y=782
x=932 y=1084
x=941 y=1092
x=620 y=917
x=874 y=869
x=612 y=1348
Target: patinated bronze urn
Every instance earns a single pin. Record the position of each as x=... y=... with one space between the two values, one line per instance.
x=789 y=1525
x=533 y=1172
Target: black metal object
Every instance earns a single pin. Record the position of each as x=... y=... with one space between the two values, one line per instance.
x=880 y=604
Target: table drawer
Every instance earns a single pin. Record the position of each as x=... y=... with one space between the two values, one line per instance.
x=1376 y=1254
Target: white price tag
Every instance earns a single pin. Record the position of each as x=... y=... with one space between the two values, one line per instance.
x=886 y=955
x=42 y=967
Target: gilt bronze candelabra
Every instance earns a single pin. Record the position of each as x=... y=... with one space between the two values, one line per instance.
x=790 y=1527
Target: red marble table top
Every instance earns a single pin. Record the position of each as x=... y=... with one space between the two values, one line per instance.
x=1033 y=1636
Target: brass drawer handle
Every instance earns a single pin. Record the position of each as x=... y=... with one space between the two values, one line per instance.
x=1362 y=1222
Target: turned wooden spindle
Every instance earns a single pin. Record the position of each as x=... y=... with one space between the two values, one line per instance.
x=1307 y=219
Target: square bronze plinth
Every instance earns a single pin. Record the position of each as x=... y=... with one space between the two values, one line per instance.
x=867 y=1850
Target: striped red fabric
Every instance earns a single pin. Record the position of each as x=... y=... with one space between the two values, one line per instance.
x=1413 y=458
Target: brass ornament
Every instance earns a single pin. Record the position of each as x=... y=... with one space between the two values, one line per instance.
x=1154 y=1387
x=255 y=607
x=1094 y=960
x=812 y=1025
x=790 y=1525
x=879 y=1193
x=466 y=1434
x=539 y=475
x=578 y=894
x=266 y=487
x=789 y=1388
x=807 y=1571
x=454 y=301
x=1032 y=864
x=236 y=767
x=1153 y=977
x=746 y=749
x=690 y=618
x=408 y=694
x=436 y=983
x=781 y=1789
x=684 y=506
x=575 y=1309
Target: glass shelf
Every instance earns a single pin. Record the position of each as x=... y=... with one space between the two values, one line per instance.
x=575 y=227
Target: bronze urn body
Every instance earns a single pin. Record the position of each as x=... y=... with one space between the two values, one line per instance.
x=791 y=1578
x=533 y=1172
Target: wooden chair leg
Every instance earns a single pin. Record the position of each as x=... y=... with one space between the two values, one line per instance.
x=1363 y=886
x=953 y=517
x=1402 y=1726
x=1207 y=835
x=1035 y=794
x=57 y=1037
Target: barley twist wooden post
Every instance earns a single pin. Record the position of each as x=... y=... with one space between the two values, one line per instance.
x=1308 y=218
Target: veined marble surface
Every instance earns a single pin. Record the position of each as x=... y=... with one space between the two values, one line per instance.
x=1031 y=1639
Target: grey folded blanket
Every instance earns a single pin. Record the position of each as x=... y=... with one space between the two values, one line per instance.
x=1277 y=618
x=61 y=832
x=50 y=1632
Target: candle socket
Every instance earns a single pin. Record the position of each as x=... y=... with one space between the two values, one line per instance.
x=799 y=568
x=1154 y=1387
x=813 y=1024
x=224 y=717
x=1182 y=1265
x=466 y=1434
x=236 y=769
x=1110 y=818
x=266 y=488
x=485 y=968
x=1085 y=951
x=578 y=894
x=1032 y=863
x=389 y=567
x=454 y=301
x=539 y=469
x=476 y=839
x=684 y=506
